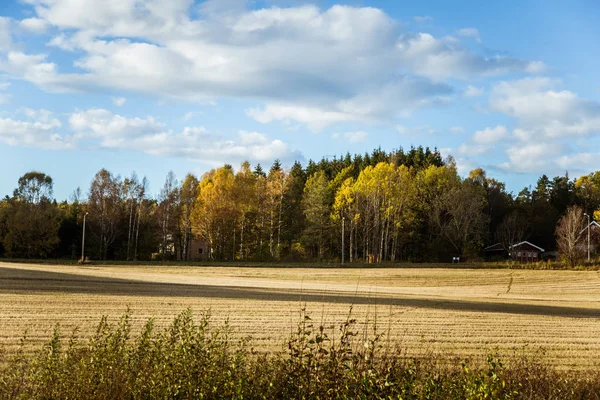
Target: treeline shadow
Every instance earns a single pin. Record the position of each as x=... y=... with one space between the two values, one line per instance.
x=19 y=281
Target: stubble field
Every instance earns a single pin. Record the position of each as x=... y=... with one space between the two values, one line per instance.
x=466 y=313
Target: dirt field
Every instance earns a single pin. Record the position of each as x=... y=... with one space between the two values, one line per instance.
x=466 y=312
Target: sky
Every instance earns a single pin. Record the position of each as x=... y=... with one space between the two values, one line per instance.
x=152 y=86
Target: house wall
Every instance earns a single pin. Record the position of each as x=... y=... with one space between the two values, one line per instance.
x=198 y=250
x=525 y=253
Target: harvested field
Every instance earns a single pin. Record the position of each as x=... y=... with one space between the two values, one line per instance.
x=464 y=312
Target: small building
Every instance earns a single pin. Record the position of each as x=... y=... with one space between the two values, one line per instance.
x=495 y=251
x=594 y=238
x=198 y=250
x=525 y=252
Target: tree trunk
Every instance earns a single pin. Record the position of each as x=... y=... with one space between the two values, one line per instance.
x=242 y=239
x=129 y=231
x=351 y=233
x=137 y=232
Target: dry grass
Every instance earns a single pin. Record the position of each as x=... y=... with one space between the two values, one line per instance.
x=461 y=311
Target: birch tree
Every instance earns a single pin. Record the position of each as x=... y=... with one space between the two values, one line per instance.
x=167 y=202
x=104 y=203
x=569 y=235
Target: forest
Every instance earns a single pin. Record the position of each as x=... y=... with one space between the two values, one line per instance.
x=397 y=206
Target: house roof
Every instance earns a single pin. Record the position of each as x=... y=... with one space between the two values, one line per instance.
x=591 y=225
x=494 y=247
x=526 y=242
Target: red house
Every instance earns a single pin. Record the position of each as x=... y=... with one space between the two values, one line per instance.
x=525 y=252
x=594 y=238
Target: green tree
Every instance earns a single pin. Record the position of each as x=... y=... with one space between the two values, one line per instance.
x=188 y=196
x=32 y=219
x=316 y=204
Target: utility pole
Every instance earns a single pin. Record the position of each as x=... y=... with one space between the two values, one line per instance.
x=343 y=223
x=83 y=240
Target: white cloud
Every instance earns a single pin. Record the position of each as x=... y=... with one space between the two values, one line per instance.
x=542 y=109
x=191 y=114
x=443 y=58
x=470 y=32
x=424 y=18
x=105 y=129
x=34 y=25
x=467 y=149
x=536 y=67
x=472 y=91
x=41 y=130
x=340 y=63
x=457 y=129
x=532 y=157
x=119 y=101
x=4 y=97
x=584 y=162
x=41 y=115
x=550 y=123
x=415 y=130
x=111 y=128
x=489 y=136
x=397 y=99
x=5 y=34
x=352 y=137
x=314 y=117
x=464 y=165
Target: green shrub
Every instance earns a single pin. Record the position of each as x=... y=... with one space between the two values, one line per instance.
x=194 y=360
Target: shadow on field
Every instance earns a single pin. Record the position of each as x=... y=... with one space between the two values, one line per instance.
x=19 y=281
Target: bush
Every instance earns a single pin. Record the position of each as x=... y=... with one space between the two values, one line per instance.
x=190 y=360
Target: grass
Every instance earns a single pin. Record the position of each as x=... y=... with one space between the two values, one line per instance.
x=593 y=265
x=194 y=359
x=463 y=313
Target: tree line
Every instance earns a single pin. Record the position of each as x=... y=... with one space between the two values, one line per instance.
x=384 y=206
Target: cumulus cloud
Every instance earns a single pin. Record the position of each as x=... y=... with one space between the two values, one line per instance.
x=341 y=63
x=468 y=149
x=532 y=157
x=5 y=34
x=40 y=130
x=314 y=117
x=424 y=18
x=470 y=32
x=4 y=96
x=443 y=58
x=536 y=67
x=539 y=107
x=584 y=161
x=415 y=130
x=549 y=122
x=34 y=25
x=489 y=136
x=102 y=128
x=113 y=130
x=352 y=137
x=119 y=101
x=472 y=91
x=399 y=98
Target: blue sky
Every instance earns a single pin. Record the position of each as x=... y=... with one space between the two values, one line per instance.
x=152 y=86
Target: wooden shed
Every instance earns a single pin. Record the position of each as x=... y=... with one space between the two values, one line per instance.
x=198 y=250
x=525 y=252
x=495 y=251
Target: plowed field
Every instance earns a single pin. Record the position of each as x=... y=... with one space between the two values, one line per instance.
x=464 y=312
